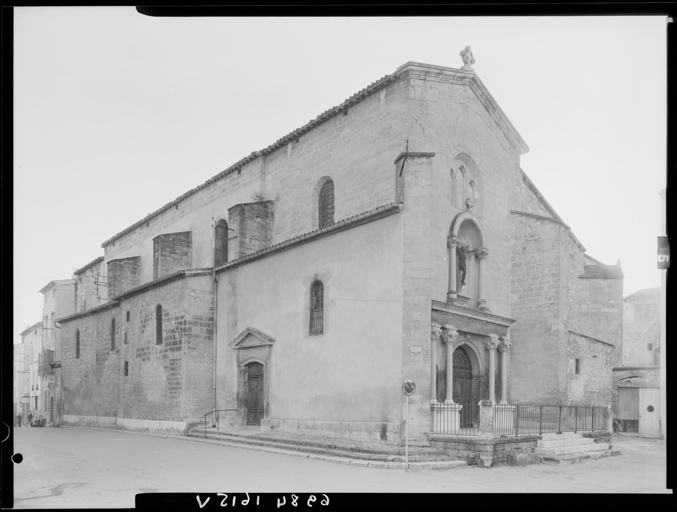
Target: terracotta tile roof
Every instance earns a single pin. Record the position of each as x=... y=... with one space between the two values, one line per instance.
x=90 y=264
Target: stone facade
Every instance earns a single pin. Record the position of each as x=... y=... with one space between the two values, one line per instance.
x=91 y=285
x=436 y=230
x=139 y=378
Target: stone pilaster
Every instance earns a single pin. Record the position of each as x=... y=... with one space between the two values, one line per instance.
x=450 y=335
x=491 y=343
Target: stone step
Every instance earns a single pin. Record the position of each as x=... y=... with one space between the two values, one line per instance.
x=566 y=450
x=570 y=441
x=414 y=456
x=563 y=435
x=353 y=458
x=319 y=442
x=576 y=458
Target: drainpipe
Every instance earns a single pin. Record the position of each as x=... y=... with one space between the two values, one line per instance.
x=216 y=289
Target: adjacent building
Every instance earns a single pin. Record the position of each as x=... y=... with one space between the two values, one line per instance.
x=393 y=237
x=637 y=381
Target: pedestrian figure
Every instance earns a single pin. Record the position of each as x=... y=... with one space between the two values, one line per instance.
x=19 y=420
x=30 y=419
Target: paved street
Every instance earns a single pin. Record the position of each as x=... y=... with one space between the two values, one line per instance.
x=80 y=467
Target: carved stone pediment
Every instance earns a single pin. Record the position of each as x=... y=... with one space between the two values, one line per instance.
x=251 y=337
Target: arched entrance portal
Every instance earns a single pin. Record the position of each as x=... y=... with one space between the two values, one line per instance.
x=254 y=388
x=464 y=392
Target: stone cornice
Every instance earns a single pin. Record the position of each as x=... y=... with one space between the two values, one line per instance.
x=349 y=223
x=419 y=71
x=472 y=313
x=413 y=154
x=634 y=368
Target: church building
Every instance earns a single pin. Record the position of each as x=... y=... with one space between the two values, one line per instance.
x=393 y=237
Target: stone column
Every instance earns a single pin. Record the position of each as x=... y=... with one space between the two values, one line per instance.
x=491 y=342
x=434 y=336
x=481 y=254
x=504 y=348
x=452 y=244
x=449 y=336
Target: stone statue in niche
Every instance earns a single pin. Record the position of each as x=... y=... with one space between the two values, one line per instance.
x=461 y=256
x=468 y=58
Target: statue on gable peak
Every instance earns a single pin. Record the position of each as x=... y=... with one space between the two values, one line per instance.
x=468 y=59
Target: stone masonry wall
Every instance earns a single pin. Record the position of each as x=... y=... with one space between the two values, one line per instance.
x=600 y=314
x=171 y=253
x=123 y=275
x=536 y=297
x=252 y=225
x=167 y=381
x=592 y=384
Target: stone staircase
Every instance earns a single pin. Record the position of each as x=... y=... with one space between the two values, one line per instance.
x=344 y=451
x=570 y=448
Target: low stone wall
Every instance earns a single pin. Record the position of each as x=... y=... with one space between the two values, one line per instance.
x=164 y=427
x=388 y=432
x=484 y=452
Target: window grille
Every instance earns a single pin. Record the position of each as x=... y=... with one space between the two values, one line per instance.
x=77 y=344
x=158 y=325
x=221 y=245
x=326 y=204
x=316 y=308
x=112 y=334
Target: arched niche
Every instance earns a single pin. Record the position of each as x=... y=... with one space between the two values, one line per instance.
x=466 y=243
x=470 y=185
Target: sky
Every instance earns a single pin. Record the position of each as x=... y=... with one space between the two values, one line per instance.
x=117 y=114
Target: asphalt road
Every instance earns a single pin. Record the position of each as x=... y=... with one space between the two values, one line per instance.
x=71 y=467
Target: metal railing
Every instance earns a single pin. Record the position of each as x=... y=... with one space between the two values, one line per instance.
x=515 y=419
x=215 y=418
x=448 y=420
x=536 y=419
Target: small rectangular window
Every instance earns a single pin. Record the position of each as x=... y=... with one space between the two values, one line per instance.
x=649 y=346
x=578 y=366
x=128 y=316
x=126 y=368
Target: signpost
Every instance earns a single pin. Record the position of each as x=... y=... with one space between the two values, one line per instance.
x=408 y=388
x=663 y=252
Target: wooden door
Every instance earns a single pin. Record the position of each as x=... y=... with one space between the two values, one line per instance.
x=463 y=387
x=628 y=409
x=649 y=412
x=254 y=393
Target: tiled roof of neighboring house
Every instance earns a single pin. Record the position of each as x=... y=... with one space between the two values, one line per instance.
x=90 y=264
x=602 y=272
x=55 y=283
x=647 y=292
x=31 y=328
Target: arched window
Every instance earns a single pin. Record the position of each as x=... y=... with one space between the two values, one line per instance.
x=112 y=334
x=326 y=204
x=158 y=325
x=453 y=188
x=316 y=308
x=77 y=343
x=221 y=244
x=471 y=190
x=462 y=194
